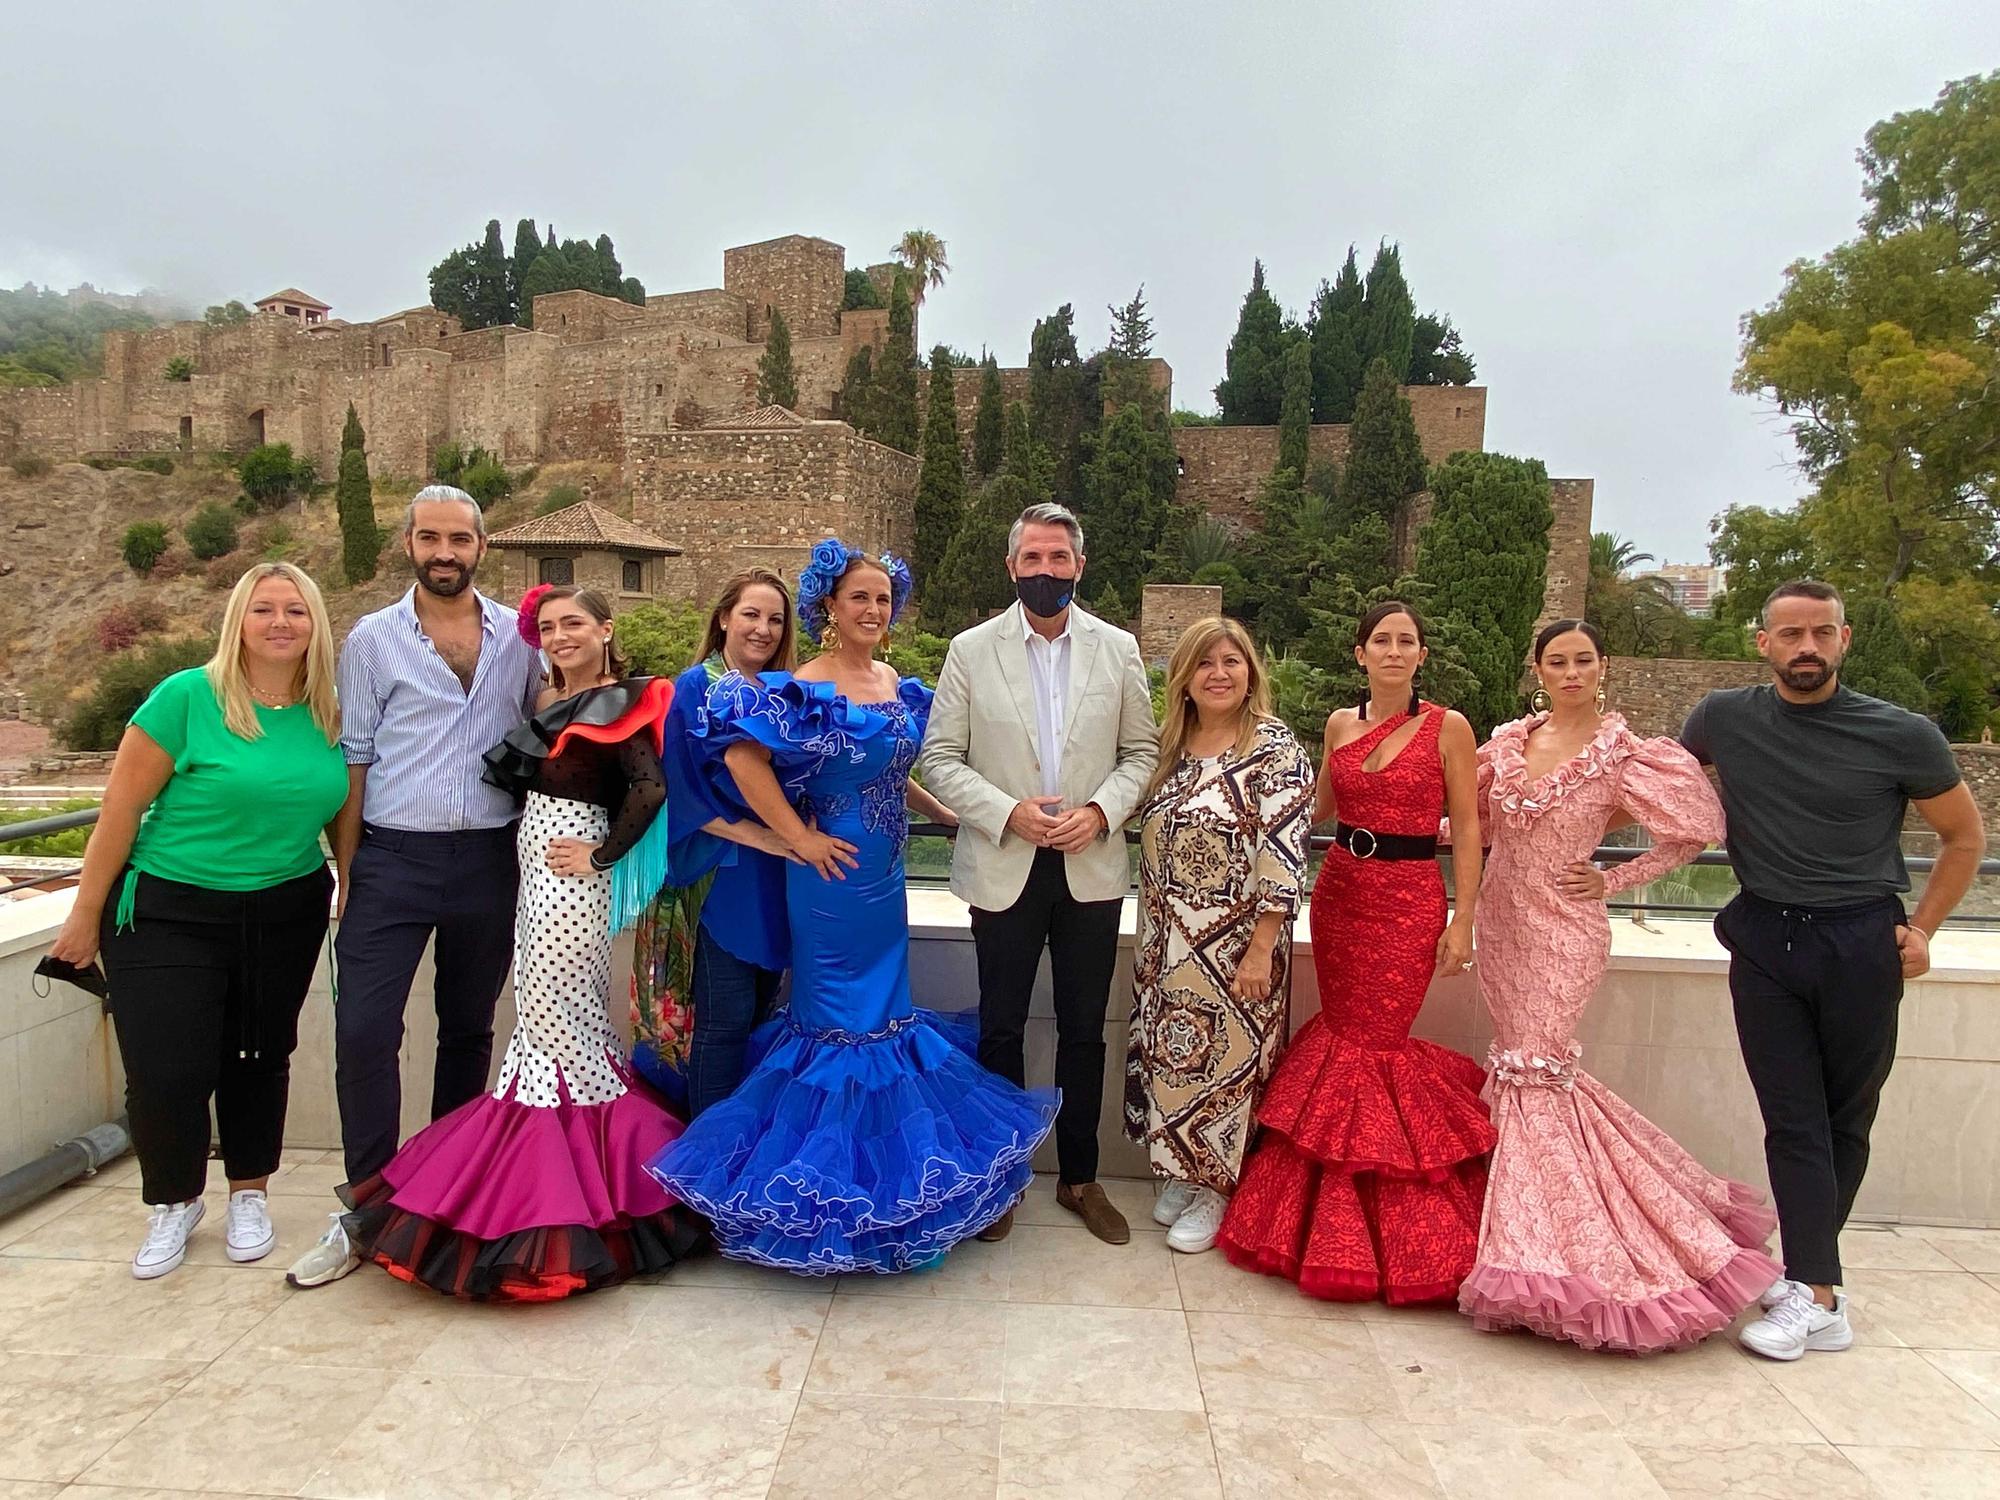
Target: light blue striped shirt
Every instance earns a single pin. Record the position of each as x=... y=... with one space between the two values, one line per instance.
x=405 y=715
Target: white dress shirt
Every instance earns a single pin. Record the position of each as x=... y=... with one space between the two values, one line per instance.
x=1048 y=670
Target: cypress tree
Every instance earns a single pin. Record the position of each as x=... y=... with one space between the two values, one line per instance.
x=1123 y=508
x=989 y=422
x=1295 y=417
x=354 y=502
x=1389 y=315
x=972 y=581
x=893 y=399
x=940 y=504
x=1027 y=459
x=777 y=381
x=1483 y=557
x=1252 y=391
x=491 y=306
x=1385 y=461
x=527 y=245
x=1059 y=404
x=855 y=388
x=1335 y=330
x=549 y=273
x=610 y=275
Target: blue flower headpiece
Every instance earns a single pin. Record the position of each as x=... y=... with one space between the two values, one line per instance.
x=831 y=558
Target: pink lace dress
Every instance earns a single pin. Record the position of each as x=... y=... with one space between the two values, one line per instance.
x=1598 y=1228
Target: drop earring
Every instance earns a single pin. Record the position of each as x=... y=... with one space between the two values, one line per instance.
x=1541 y=702
x=1600 y=696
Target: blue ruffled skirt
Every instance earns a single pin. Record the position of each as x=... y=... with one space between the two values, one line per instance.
x=845 y=1152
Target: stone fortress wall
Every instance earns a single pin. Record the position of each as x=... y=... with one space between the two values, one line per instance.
x=657 y=390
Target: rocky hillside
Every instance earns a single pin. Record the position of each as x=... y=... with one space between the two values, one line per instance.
x=61 y=568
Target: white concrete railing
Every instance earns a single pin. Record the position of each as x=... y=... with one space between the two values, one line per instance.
x=1660 y=1035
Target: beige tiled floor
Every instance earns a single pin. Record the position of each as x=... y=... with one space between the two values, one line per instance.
x=1045 y=1366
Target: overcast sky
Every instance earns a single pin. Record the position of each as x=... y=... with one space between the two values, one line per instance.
x=1594 y=194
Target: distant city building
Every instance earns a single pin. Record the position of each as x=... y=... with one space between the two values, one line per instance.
x=1692 y=586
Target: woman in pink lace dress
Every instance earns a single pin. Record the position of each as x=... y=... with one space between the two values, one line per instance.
x=1598 y=1228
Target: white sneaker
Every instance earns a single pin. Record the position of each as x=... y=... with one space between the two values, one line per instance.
x=1798 y=1324
x=1195 y=1230
x=1775 y=1293
x=166 y=1238
x=250 y=1233
x=1173 y=1202
x=332 y=1258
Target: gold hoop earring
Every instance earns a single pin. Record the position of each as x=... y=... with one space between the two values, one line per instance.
x=829 y=638
x=1541 y=702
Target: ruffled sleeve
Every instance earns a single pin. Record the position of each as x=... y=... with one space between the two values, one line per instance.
x=694 y=798
x=1283 y=786
x=1664 y=789
x=803 y=725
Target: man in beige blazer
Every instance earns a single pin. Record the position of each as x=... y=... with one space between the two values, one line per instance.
x=1041 y=740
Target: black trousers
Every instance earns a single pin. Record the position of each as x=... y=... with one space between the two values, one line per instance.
x=206 y=988
x=1082 y=939
x=403 y=887
x=1817 y=992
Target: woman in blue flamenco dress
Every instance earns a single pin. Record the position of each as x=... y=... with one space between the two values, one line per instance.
x=866 y=1136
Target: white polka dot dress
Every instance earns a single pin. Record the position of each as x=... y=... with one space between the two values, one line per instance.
x=564 y=1048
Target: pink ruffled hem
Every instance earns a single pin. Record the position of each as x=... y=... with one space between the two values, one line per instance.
x=495 y=1167
x=1749 y=1219
x=1578 y=1309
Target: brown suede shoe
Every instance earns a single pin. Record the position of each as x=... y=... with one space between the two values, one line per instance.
x=1087 y=1201
x=998 y=1230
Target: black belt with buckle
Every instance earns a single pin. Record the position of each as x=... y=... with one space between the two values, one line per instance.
x=1362 y=843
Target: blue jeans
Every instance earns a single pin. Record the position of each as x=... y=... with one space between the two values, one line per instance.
x=731 y=999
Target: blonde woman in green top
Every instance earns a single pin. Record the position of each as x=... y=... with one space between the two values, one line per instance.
x=206 y=890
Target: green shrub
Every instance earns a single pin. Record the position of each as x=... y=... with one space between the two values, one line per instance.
x=154 y=463
x=243 y=505
x=65 y=845
x=487 y=480
x=275 y=544
x=660 y=638
x=270 y=475
x=447 y=463
x=144 y=542
x=173 y=562
x=180 y=367
x=28 y=465
x=122 y=686
x=918 y=654
x=212 y=532
x=558 y=498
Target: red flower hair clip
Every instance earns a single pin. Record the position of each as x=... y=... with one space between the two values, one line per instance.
x=528 y=622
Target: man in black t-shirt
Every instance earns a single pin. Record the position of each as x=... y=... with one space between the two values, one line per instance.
x=1815 y=779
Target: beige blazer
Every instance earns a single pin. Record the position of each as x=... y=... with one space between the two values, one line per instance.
x=981 y=754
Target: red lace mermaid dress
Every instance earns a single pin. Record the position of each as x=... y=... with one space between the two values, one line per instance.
x=1367 y=1178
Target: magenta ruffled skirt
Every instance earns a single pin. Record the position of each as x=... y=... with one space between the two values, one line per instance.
x=502 y=1201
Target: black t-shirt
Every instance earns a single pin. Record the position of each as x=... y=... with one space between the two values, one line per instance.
x=1815 y=792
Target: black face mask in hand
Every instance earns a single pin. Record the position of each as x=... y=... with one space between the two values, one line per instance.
x=1044 y=594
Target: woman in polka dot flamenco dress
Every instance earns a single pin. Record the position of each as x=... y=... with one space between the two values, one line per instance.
x=865 y=1136
x=538 y=1189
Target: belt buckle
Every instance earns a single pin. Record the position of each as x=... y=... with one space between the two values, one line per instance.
x=1354 y=835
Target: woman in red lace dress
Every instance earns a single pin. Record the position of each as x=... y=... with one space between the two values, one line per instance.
x=1368 y=1177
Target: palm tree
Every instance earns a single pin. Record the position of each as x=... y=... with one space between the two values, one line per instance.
x=1612 y=555
x=924 y=253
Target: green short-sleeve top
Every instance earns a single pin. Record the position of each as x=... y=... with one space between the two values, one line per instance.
x=237 y=814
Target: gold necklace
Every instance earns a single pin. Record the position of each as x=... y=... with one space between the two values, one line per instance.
x=271 y=700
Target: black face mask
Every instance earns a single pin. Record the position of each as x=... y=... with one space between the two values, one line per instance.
x=1044 y=594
